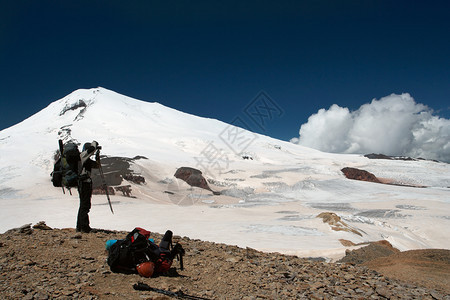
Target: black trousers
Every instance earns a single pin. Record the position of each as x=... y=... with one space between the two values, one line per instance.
x=85 y=193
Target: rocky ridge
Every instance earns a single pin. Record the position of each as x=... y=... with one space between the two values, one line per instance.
x=45 y=263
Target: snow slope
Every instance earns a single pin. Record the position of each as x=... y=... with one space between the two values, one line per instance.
x=269 y=202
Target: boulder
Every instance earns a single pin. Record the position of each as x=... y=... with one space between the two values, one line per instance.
x=193 y=177
x=336 y=223
x=357 y=174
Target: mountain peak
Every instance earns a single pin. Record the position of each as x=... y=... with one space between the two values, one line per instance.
x=275 y=186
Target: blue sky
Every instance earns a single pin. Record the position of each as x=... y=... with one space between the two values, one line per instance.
x=211 y=58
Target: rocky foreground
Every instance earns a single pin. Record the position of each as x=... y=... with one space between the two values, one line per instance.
x=45 y=263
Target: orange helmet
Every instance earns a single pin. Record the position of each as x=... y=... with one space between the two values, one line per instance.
x=146 y=269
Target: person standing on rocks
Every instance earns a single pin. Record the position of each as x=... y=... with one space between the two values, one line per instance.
x=85 y=184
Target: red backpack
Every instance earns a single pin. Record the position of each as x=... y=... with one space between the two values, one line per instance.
x=124 y=255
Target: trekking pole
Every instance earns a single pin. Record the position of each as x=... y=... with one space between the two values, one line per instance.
x=180 y=295
x=97 y=157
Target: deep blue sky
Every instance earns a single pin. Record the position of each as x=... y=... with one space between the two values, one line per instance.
x=211 y=58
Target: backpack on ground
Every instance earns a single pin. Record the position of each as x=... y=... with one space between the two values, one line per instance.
x=67 y=168
x=124 y=255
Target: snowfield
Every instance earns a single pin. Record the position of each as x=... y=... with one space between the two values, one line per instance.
x=272 y=191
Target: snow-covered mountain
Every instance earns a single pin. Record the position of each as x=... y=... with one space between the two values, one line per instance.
x=272 y=190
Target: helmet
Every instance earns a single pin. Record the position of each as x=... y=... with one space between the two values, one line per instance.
x=146 y=269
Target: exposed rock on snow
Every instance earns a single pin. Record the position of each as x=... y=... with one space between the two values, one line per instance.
x=134 y=178
x=116 y=169
x=405 y=158
x=101 y=191
x=193 y=177
x=357 y=174
x=73 y=106
x=336 y=223
x=126 y=190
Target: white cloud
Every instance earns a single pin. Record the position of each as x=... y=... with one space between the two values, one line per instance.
x=393 y=125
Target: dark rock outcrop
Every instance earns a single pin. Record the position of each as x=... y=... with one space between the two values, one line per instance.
x=404 y=158
x=125 y=189
x=377 y=156
x=134 y=178
x=336 y=223
x=101 y=191
x=80 y=103
x=116 y=169
x=357 y=174
x=193 y=177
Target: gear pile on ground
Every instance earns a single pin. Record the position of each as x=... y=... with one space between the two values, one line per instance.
x=45 y=263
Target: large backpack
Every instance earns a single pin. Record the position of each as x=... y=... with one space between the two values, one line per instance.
x=67 y=168
x=124 y=255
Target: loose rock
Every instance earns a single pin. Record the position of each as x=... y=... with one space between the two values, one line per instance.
x=47 y=268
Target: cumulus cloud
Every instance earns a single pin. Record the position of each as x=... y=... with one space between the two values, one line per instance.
x=393 y=125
